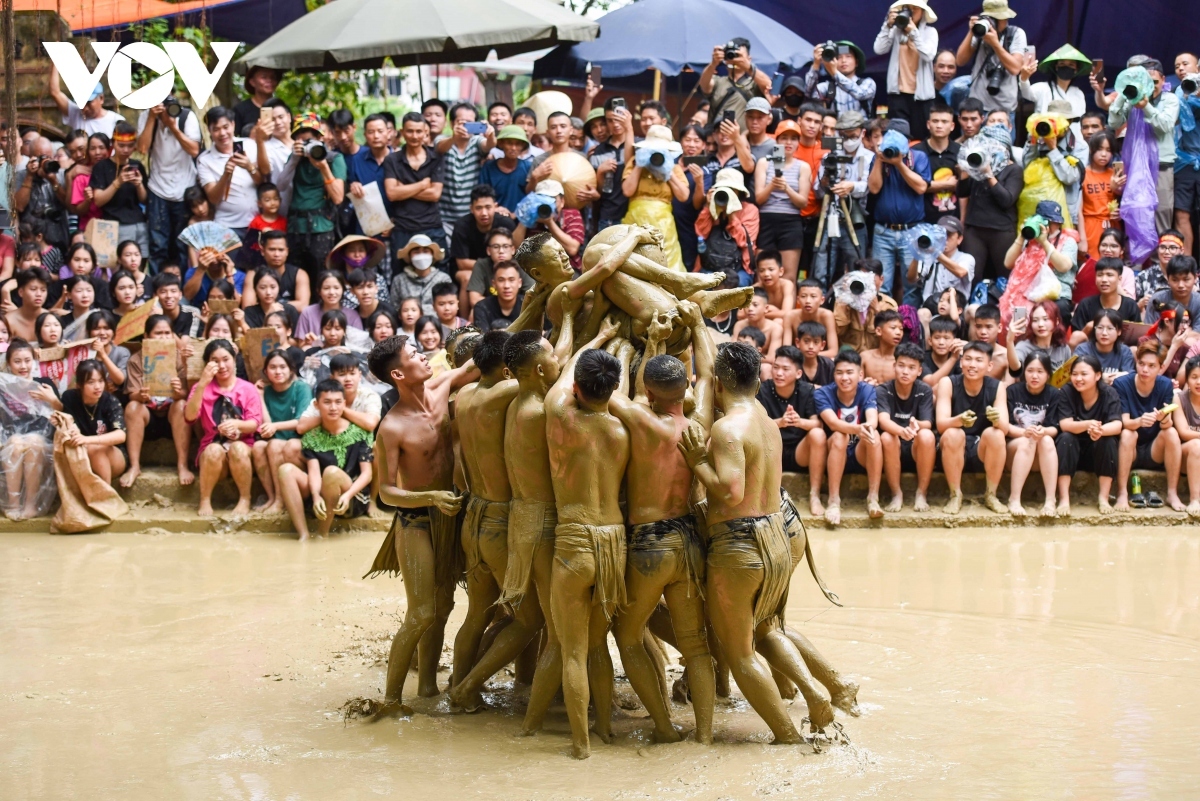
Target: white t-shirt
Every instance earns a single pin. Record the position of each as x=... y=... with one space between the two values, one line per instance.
x=941 y=279
x=239 y=208
x=104 y=124
x=367 y=401
x=172 y=169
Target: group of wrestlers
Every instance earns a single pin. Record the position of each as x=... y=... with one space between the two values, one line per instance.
x=575 y=482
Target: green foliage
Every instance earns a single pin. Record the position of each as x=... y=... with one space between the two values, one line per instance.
x=321 y=92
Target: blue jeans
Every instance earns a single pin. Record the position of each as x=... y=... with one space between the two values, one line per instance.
x=892 y=248
x=166 y=219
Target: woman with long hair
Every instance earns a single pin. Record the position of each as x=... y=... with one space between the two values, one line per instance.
x=1028 y=422
x=1089 y=425
x=1041 y=330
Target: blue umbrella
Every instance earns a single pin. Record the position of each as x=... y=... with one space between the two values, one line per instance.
x=667 y=34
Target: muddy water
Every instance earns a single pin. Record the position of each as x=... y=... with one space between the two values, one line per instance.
x=994 y=664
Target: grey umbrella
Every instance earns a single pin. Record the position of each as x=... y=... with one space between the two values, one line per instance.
x=358 y=34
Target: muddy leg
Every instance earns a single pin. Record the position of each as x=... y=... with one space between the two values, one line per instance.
x=687 y=617
x=571 y=585
x=293 y=489
x=415 y=552
x=644 y=582
x=429 y=654
x=781 y=654
x=547 y=677
x=843 y=693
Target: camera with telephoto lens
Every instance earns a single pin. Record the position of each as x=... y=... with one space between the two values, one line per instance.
x=1033 y=227
x=544 y=210
x=1130 y=91
x=732 y=51
x=50 y=167
x=901 y=21
x=832 y=162
x=315 y=149
x=776 y=158
x=829 y=51
x=890 y=152
x=657 y=159
x=858 y=287
x=975 y=159
x=995 y=79
x=1190 y=83
x=721 y=198
x=173 y=107
x=982 y=26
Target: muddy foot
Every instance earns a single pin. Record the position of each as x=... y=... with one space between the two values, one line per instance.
x=920 y=503
x=846 y=699
x=874 y=510
x=186 y=477
x=1016 y=509
x=579 y=751
x=205 y=509
x=388 y=709
x=1063 y=509
x=428 y=691
x=605 y=736
x=896 y=504
x=671 y=736
x=1105 y=507
x=831 y=734
x=815 y=506
x=1174 y=502
x=992 y=502
x=788 y=738
x=954 y=505
x=1193 y=508
x=820 y=716
x=266 y=505
x=130 y=476
x=1048 y=511
x=833 y=514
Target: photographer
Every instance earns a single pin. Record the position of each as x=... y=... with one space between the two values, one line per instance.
x=998 y=49
x=843 y=172
x=782 y=185
x=1050 y=244
x=1161 y=111
x=742 y=81
x=989 y=200
x=1187 y=146
x=37 y=196
x=318 y=187
x=729 y=227
x=608 y=159
x=229 y=173
x=843 y=89
x=1063 y=66
x=909 y=36
x=899 y=177
x=856 y=330
x=564 y=224
x=169 y=135
x=119 y=187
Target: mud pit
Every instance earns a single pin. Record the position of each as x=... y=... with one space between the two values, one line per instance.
x=993 y=664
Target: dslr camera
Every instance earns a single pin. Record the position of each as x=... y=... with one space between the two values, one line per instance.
x=732 y=51
x=1190 y=83
x=721 y=198
x=173 y=107
x=982 y=26
x=829 y=51
x=1033 y=227
x=315 y=149
x=832 y=162
x=901 y=21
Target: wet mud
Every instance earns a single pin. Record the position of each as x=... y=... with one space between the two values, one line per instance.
x=1016 y=663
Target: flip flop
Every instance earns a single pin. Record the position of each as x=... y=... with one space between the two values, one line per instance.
x=1137 y=501
x=1153 y=501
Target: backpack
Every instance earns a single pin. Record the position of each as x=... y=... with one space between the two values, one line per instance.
x=722 y=253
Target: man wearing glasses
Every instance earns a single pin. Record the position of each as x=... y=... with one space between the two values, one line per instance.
x=472 y=248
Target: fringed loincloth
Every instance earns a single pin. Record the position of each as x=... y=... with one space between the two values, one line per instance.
x=755 y=543
x=482 y=518
x=679 y=535
x=529 y=523
x=606 y=546
x=443 y=534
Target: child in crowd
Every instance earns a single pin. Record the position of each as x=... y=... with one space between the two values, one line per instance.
x=284 y=398
x=410 y=312
x=810 y=300
x=267 y=219
x=756 y=315
x=429 y=335
x=1108 y=288
x=445 y=306
x=817 y=368
x=986 y=326
x=789 y=401
x=330 y=287
x=333 y=330
x=1037 y=328
x=283 y=330
x=32 y=287
x=945 y=351
x=157 y=416
x=1187 y=423
x=758 y=340
x=27 y=453
x=381 y=325
x=879 y=363
x=229 y=412
x=125 y=293
x=1103 y=344
x=338 y=454
x=1089 y=426
x=781 y=293
x=1102 y=186
x=849 y=411
x=905 y=407
x=100 y=420
x=101 y=326
x=968 y=406
x=1028 y=422
x=1148 y=440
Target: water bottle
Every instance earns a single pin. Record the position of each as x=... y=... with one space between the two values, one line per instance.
x=701 y=248
x=1136 y=482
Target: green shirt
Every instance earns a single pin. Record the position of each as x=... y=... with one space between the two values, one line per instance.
x=311 y=212
x=287 y=405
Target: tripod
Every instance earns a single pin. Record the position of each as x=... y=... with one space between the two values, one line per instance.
x=839 y=214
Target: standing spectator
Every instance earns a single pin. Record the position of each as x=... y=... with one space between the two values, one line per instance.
x=650 y=113
x=464 y=155
x=941 y=197
x=1187 y=151
x=558 y=131
x=119 y=187
x=342 y=130
x=758 y=119
x=608 y=158
x=998 y=56
x=691 y=139
x=912 y=49
x=970 y=121
x=471 y=241
x=1161 y=110
x=794 y=94
x=318 y=188
x=499 y=115
x=508 y=174
x=274 y=141
x=595 y=128
x=526 y=120
x=413 y=178
x=951 y=87
x=1063 y=66
x=172 y=144
x=842 y=89
x=782 y=190
x=741 y=81
x=366 y=165
x=564 y=224
x=650 y=196
x=434 y=112
x=37 y=200
x=260 y=84
x=93 y=117
x=899 y=180
x=990 y=208
x=1102 y=186
x=229 y=173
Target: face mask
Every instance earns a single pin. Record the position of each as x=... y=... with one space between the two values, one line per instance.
x=1065 y=73
x=422 y=261
x=851 y=145
x=357 y=261
x=792 y=101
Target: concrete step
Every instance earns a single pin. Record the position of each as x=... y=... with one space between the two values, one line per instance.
x=150 y=518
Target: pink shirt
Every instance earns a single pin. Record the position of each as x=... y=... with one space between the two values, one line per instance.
x=245 y=398
x=80 y=183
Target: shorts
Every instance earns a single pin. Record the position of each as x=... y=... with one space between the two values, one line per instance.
x=1143 y=460
x=790 y=465
x=907 y=463
x=852 y=463
x=1187 y=189
x=971 y=461
x=159 y=427
x=780 y=232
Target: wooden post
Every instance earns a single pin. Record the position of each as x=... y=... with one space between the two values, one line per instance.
x=657 y=85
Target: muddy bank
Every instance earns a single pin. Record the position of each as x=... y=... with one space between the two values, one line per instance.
x=1022 y=663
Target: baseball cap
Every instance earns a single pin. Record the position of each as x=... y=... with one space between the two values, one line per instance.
x=758 y=104
x=549 y=187
x=1050 y=210
x=951 y=223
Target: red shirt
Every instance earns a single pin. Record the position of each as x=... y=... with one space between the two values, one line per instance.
x=260 y=225
x=571 y=221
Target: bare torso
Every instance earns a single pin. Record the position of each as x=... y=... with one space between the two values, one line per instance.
x=525 y=452
x=660 y=481
x=749 y=429
x=877 y=366
x=481 y=412
x=418 y=445
x=589 y=452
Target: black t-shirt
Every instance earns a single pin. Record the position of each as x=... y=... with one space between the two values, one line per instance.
x=823 y=375
x=945 y=203
x=725 y=326
x=928 y=367
x=1089 y=307
x=960 y=401
x=489 y=317
x=182 y=325
x=918 y=404
x=106 y=417
x=801 y=400
x=413 y=214
x=1026 y=410
x=468 y=242
x=124 y=206
x=612 y=205
x=257 y=318
x=245 y=113
x=1069 y=404
x=994 y=207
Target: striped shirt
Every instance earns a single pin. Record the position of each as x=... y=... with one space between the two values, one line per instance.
x=461 y=174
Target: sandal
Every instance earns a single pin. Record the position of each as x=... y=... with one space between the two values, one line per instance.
x=1153 y=501
x=1138 y=500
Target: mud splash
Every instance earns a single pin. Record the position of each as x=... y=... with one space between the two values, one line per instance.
x=1023 y=663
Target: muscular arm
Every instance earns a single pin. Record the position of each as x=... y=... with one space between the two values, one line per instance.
x=723 y=470
x=609 y=263
x=392 y=491
x=703 y=356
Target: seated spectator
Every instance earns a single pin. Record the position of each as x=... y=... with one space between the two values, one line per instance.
x=211 y=266
x=410 y=312
x=879 y=362
x=284 y=398
x=381 y=325
x=81 y=261
x=333 y=332
x=429 y=336
x=229 y=412
x=32 y=285
x=1111 y=246
x=816 y=368
x=418 y=276
x=1153 y=279
x=157 y=417
x=501 y=309
x=1148 y=439
x=81 y=298
x=471 y=241
x=755 y=314
x=330 y=288
x=1040 y=330
x=294 y=288
x=1029 y=423
x=283 y=330
x=129 y=258
x=363 y=406
x=789 y=401
x=1088 y=411
x=445 y=305
x=49 y=335
x=781 y=293
x=1108 y=285
x=1181 y=288
x=810 y=308
x=968 y=406
x=100 y=326
x=1174 y=334
x=905 y=406
x=500 y=248
x=338 y=454
x=413 y=179
x=1187 y=423
x=364 y=289
x=852 y=329
x=755 y=338
x=266 y=294
x=950 y=269
x=985 y=328
x=848 y=409
x=27 y=455
x=99 y=420
x=1103 y=344
x=185 y=321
